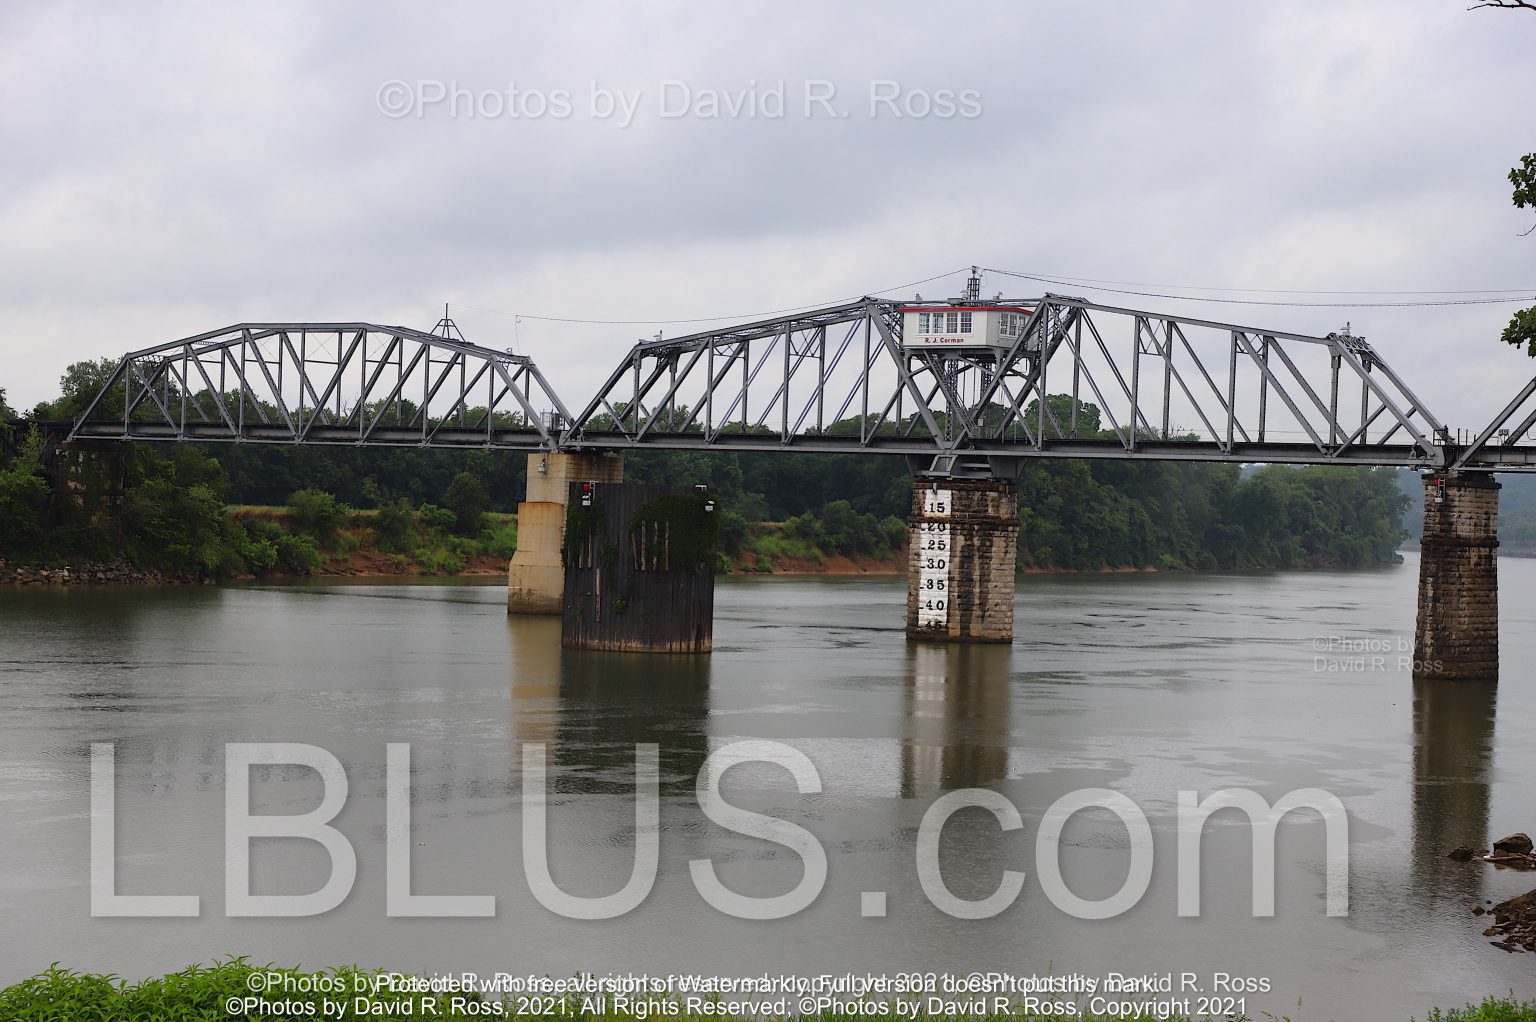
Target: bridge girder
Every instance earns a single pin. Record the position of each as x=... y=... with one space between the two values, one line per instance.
x=769 y=385
x=328 y=383
x=1128 y=384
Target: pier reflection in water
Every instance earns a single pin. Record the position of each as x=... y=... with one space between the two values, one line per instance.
x=956 y=703
x=612 y=702
x=590 y=708
x=1453 y=724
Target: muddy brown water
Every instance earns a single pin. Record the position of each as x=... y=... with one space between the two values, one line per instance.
x=1145 y=684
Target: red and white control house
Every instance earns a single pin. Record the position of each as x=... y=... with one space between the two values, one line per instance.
x=981 y=328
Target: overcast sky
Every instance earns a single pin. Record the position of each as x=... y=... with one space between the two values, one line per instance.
x=170 y=169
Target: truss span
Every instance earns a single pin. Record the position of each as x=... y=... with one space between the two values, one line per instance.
x=1079 y=380
x=328 y=383
x=1072 y=379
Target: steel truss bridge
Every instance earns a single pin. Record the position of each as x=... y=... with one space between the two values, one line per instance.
x=1081 y=380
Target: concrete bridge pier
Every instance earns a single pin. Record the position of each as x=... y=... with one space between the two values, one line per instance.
x=536 y=576
x=964 y=551
x=1457 y=634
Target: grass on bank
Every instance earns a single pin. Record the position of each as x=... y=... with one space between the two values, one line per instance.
x=316 y=535
x=207 y=992
x=810 y=539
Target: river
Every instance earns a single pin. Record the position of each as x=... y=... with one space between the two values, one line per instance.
x=1145 y=684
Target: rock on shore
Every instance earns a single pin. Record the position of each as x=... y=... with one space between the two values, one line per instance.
x=1514 y=923
x=106 y=574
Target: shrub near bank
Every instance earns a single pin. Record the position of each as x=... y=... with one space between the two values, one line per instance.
x=201 y=993
x=314 y=536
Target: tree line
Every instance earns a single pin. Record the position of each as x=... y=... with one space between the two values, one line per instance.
x=1074 y=514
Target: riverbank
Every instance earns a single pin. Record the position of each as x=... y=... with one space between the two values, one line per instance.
x=90 y=573
x=284 y=542
x=395 y=540
x=318 y=538
x=801 y=547
x=382 y=543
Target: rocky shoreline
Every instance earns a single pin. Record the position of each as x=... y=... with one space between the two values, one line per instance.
x=91 y=574
x=1514 y=921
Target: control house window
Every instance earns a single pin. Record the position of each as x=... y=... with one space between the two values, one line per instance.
x=965 y=322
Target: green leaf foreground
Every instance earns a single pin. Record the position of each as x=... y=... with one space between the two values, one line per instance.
x=202 y=992
x=1521 y=331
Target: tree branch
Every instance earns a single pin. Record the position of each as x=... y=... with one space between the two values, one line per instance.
x=1508 y=5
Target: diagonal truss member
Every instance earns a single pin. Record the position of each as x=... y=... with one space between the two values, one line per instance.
x=1502 y=444
x=1077 y=380
x=1068 y=378
x=327 y=383
x=1162 y=382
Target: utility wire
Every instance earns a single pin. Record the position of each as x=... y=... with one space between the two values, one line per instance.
x=1062 y=277
x=1506 y=295
x=1061 y=282
x=711 y=319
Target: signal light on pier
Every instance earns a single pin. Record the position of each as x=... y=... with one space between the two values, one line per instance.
x=586 y=494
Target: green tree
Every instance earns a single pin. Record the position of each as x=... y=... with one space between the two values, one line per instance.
x=1521 y=330
x=24 y=497
x=467 y=499
x=174 y=529
x=1522 y=325
x=316 y=513
x=732 y=530
x=847 y=531
x=1061 y=407
x=173 y=514
x=395 y=525
x=6 y=411
x=438 y=519
x=81 y=382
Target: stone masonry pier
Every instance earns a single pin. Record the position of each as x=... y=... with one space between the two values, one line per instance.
x=1457 y=635
x=964 y=547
